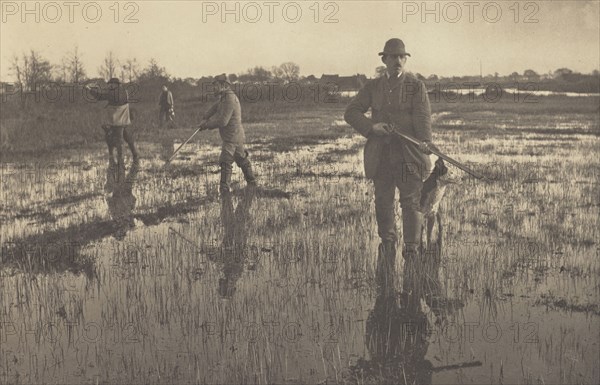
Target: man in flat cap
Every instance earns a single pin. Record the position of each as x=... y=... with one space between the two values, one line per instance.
x=399 y=100
x=226 y=115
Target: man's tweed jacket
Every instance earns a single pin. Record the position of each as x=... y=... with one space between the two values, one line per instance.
x=404 y=102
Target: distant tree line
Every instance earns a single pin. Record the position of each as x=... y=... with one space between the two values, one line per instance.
x=32 y=69
x=564 y=74
x=562 y=79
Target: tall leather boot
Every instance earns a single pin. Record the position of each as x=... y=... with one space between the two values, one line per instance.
x=226 y=170
x=246 y=167
x=412 y=222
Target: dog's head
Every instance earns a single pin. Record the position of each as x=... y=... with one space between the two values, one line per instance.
x=442 y=175
x=440 y=168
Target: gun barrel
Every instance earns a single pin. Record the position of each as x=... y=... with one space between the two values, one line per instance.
x=441 y=155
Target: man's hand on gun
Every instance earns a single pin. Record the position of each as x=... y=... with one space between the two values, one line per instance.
x=381 y=129
x=429 y=148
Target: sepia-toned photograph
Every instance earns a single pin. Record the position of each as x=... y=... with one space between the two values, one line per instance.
x=300 y=192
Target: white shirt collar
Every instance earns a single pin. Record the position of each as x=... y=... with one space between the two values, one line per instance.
x=387 y=74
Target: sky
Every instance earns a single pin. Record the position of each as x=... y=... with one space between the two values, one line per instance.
x=197 y=38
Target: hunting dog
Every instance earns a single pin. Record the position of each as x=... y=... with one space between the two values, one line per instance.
x=434 y=189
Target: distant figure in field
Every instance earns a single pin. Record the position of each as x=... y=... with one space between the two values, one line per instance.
x=399 y=100
x=116 y=120
x=165 y=102
x=226 y=115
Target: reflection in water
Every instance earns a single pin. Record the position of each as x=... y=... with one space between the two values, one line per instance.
x=233 y=251
x=398 y=327
x=122 y=201
x=59 y=250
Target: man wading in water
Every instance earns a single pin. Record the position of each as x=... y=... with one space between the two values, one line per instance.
x=226 y=115
x=397 y=98
x=116 y=120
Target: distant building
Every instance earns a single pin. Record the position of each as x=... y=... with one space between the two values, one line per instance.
x=344 y=83
x=7 y=87
x=191 y=81
x=310 y=79
x=344 y=86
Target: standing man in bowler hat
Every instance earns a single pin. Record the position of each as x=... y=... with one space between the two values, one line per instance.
x=397 y=98
x=226 y=115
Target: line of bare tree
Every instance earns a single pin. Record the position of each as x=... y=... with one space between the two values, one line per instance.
x=31 y=69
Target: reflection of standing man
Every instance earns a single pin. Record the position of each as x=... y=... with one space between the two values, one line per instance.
x=396 y=331
x=166 y=106
x=122 y=201
x=398 y=98
x=235 y=239
x=397 y=328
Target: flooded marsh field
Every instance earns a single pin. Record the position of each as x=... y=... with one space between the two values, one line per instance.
x=153 y=277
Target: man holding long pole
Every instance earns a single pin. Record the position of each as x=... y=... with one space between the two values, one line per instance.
x=400 y=100
x=226 y=115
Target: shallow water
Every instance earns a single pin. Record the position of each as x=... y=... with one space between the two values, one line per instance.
x=280 y=284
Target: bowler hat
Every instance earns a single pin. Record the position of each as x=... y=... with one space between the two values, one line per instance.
x=222 y=78
x=394 y=47
x=114 y=81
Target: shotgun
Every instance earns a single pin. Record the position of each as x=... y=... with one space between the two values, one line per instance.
x=438 y=153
